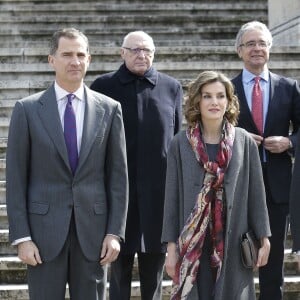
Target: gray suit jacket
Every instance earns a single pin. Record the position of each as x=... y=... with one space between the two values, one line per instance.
x=245 y=206
x=41 y=190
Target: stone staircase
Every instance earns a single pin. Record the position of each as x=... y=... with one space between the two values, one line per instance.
x=190 y=36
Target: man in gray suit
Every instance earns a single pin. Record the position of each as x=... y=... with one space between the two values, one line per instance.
x=67 y=203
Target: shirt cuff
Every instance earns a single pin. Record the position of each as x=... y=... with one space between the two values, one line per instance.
x=116 y=236
x=19 y=241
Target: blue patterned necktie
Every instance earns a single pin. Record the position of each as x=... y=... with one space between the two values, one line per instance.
x=70 y=133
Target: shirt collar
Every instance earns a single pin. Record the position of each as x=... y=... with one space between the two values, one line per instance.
x=248 y=76
x=61 y=93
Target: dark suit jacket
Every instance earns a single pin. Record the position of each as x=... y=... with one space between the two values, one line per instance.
x=295 y=200
x=151 y=108
x=41 y=190
x=283 y=110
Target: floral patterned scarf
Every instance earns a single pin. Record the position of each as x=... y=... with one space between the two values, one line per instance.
x=208 y=211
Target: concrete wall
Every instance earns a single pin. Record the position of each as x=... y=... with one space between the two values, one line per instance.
x=284 y=21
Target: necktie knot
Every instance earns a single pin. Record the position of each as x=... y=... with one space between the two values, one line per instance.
x=256 y=79
x=70 y=98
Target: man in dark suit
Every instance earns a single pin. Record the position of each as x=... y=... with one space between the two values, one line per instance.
x=151 y=103
x=279 y=110
x=295 y=204
x=67 y=186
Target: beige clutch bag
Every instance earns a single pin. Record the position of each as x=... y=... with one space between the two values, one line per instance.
x=249 y=249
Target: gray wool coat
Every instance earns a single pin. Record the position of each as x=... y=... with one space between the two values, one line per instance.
x=245 y=204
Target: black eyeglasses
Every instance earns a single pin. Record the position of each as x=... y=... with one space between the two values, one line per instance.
x=252 y=44
x=136 y=51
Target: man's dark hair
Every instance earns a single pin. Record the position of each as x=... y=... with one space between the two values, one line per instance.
x=70 y=33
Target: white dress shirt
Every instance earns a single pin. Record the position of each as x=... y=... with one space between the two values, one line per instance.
x=78 y=104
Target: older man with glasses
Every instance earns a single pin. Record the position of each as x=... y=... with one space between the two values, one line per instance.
x=269 y=104
x=152 y=111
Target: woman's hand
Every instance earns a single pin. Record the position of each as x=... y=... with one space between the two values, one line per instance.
x=171 y=259
x=263 y=253
x=257 y=138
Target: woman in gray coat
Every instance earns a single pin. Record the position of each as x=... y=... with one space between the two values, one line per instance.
x=214 y=194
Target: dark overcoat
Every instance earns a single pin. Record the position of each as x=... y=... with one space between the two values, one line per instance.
x=152 y=113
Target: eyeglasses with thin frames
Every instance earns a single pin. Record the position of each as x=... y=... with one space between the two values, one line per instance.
x=252 y=44
x=136 y=51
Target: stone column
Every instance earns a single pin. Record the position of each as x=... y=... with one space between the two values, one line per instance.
x=284 y=22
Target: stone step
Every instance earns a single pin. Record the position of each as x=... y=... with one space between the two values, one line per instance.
x=3 y=217
x=13 y=271
x=2 y=164
x=103 y=23
x=28 y=2
x=29 y=34
x=3 y=145
x=30 y=83
x=5 y=247
x=22 y=70
x=6 y=107
x=180 y=70
x=115 y=40
x=132 y=6
x=20 y=291
x=163 y=53
x=13 y=90
x=210 y=17
x=2 y=192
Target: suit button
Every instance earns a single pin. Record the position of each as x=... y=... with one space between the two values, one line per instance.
x=70 y=206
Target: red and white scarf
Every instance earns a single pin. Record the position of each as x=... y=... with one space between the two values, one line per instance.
x=208 y=211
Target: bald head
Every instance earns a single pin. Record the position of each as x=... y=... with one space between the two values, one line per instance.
x=140 y=36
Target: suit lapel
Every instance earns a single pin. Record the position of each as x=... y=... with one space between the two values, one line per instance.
x=48 y=112
x=245 y=111
x=245 y=118
x=272 y=103
x=93 y=117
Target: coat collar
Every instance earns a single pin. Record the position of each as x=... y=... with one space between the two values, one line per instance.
x=126 y=76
